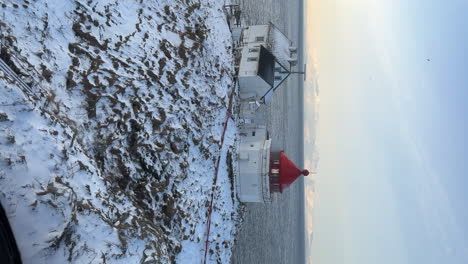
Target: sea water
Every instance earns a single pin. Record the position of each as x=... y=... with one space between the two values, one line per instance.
x=274 y=233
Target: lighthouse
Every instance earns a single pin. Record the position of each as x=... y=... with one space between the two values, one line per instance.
x=263 y=172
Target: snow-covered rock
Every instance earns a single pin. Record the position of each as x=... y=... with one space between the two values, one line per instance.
x=111 y=158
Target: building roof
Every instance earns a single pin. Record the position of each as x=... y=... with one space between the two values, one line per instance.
x=288 y=171
x=266 y=66
x=279 y=45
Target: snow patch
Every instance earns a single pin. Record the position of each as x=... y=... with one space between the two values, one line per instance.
x=115 y=159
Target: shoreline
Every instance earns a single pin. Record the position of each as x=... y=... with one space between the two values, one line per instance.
x=301 y=61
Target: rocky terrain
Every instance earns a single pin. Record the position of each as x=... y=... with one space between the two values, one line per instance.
x=109 y=156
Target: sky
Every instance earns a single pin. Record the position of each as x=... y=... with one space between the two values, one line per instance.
x=387 y=113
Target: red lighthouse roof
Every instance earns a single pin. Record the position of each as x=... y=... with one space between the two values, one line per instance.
x=288 y=171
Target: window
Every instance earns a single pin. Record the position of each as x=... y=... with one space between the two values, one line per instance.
x=275 y=187
x=252 y=59
x=260 y=38
x=252 y=50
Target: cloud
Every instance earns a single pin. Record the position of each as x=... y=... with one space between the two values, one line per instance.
x=307 y=163
x=309 y=97
x=307 y=134
x=309 y=206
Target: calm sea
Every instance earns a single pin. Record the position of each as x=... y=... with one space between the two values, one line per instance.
x=274 y=233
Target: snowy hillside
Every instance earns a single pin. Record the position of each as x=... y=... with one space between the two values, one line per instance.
x=110 y=158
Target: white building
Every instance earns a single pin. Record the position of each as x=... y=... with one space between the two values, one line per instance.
x=253 y=183
x=265 y=60
x=256 y=72
x=272 y=39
